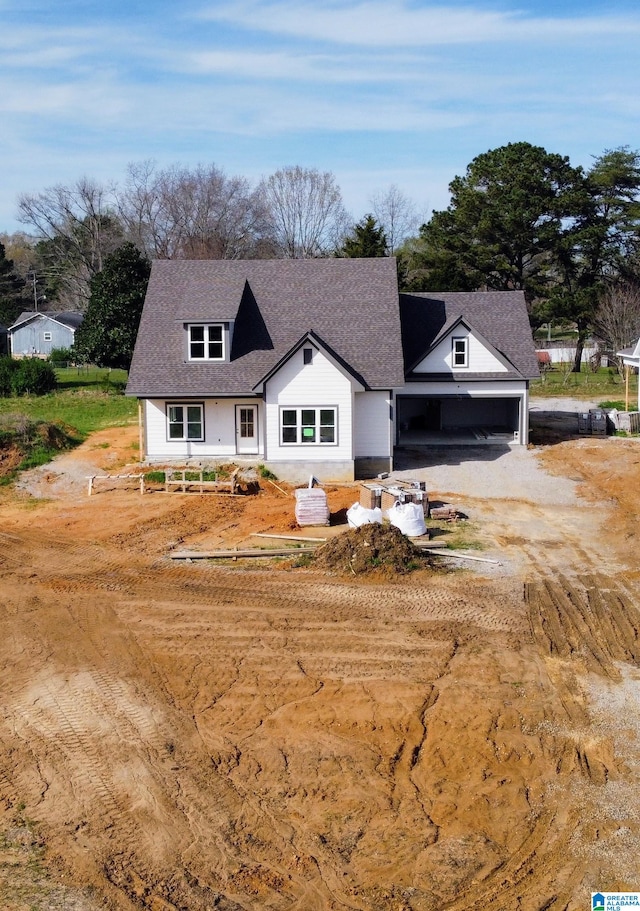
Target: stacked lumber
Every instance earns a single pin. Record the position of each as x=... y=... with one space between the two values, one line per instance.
x=311 y=506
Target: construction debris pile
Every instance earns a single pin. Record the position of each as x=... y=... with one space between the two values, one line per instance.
x=372 y=548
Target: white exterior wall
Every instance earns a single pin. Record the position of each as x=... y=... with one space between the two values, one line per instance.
x=475 y=389
x=440 y=360
x=373 y=427
x=320 y=384
x=219 y=430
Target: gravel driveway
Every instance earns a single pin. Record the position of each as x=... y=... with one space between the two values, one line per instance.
x=499 y=471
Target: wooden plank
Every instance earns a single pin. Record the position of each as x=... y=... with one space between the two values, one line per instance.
x=114 y=477
x=233 y=554
x=264 y=534
x=456 y=555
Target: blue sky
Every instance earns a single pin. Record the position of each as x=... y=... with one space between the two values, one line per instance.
x=379 y=92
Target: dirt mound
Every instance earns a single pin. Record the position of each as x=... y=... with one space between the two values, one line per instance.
x=370 y=548
x=10 y=458
x=20 y=436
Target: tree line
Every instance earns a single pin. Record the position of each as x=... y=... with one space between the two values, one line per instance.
x=519 y=218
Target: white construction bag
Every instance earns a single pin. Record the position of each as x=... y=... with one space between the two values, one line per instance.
x=408 y=517
x=358 y=515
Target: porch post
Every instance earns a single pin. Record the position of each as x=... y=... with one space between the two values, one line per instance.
x=140 y=431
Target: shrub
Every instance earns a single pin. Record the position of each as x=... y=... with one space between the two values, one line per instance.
x=33 y=377
x=7 y=369
x=61 y=357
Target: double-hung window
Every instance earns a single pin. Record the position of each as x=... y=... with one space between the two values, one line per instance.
x=308 y=425
x=185 y=422
x=460 y=352
x=206 y=342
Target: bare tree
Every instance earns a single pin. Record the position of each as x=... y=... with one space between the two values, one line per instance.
x=142 y=210
x=21 y=249
x=177 y=213
x=617 y=319
x=77 y=228
x=306 y=211
x=397 y=215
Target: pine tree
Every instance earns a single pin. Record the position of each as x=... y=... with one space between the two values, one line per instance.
x=367 y=240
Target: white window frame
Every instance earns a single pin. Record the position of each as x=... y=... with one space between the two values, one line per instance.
x=463 y=342
x=172 y=421
x=209 y=341
x=47 y=336
x=308 y=428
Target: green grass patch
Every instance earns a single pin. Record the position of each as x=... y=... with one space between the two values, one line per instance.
x=83 y=409
x=92 y=378
x=40 y=426
x=618 y=405
x=155 y=477
x=461 y=535
x=604 y=383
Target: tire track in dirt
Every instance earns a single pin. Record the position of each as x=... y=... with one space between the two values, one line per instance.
x=103 y=786
x=313 y=744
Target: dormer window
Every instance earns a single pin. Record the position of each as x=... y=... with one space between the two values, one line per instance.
x=460 y=352
x=206 y=342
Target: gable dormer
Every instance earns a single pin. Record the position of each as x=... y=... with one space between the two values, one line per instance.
x=460 y=349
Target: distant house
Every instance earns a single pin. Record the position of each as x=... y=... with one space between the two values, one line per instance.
x=631 y=358
x=37 y=334
x=319 y=366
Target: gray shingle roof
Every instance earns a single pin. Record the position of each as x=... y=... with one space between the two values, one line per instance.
x=499 y=316
x=70 y=318
x=351 y=304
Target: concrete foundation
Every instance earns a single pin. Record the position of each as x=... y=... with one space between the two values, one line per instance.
x=371 y=466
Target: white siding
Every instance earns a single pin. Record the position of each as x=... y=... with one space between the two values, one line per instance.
x=320 y=384
x=219 y=430
x=373 y=435
x=482 y=388
x=481 y=360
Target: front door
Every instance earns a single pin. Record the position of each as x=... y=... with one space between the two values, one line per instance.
x=246 y=429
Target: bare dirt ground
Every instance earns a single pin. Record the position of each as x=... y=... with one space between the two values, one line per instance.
x=187 y=736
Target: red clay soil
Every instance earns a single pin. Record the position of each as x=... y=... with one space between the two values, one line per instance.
x=186 y=736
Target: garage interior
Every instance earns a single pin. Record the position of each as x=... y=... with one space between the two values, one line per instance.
x=457 y=420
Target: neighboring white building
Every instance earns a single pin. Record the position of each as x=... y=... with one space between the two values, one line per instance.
x=320 y=367
x=36 y=334
x=631 y=358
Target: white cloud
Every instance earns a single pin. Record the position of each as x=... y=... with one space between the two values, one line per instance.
x=385 y=23
x=379 y=92
x=251 y=65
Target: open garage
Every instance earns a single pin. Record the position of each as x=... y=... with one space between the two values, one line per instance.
x=459 y=419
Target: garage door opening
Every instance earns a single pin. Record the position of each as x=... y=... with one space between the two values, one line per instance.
x=457 y=420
